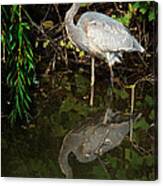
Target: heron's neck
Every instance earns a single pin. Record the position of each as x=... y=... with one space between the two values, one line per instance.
x=63 y=160
x=69 y=18
x=75 y=33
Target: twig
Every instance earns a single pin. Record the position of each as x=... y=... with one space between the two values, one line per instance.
x=65 y=57
x=148 y=78
x=140 y=149
x=45 y=16
x=118 y=9
x=40 y=29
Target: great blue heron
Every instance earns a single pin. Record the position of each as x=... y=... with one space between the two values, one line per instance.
x=101 y=36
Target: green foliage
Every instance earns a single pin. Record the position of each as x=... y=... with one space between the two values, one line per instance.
x=68 y=45
x=146 y=9
x=142 y=124
x=149 y=101
x=74 y=110
x=133 y=157
x=121 y=94
x=139 y=10
x=18 y=60
x=99 y=172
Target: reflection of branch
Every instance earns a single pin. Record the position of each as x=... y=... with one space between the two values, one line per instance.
x=132 y=111
x=140 y=149
x=148 y=78
x=103 y=166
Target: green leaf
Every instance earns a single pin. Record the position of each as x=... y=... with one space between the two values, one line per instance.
x=31 y=66
x=143 y=10
x=68 y=104
x=18 y=107
x=26 y=104
x=9 y=76
x=62 y=43
x=141 y=124
x=149 y=160
x=136 y=159
x=13 y=45
x=28 y=98
x=46 y=43
x=136 y=5
x=10 y=37
x=149 y=101
x=14 y=12
x=81 y=54
x=133 y=157
x=113 y=161
x=151 y=16
x=20 y=38
x=152 y=114
x=25 y=25
x=28 y=81
x=82 y=84
x=120 y=93
x=28 y=56
x=82 y=109
x=21 y=93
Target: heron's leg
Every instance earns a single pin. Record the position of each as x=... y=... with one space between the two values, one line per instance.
x=92 y=80
x=108 y=113
x=111 y=74
x=107 y=116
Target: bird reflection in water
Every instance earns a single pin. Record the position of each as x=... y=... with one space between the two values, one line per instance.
x=93 y=138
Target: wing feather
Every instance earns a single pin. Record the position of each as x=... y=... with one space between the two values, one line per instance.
x=107 y=34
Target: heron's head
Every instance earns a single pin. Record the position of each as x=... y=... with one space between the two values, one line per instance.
x=71 y=12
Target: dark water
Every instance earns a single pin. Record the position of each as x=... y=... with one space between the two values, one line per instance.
x=60 y=102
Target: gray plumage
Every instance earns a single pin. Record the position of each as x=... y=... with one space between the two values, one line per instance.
x=100 y=35
x=92 y=139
